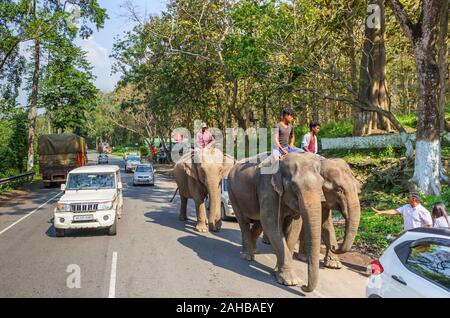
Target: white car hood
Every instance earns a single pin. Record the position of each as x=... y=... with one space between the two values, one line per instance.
x=72 y=196
x=143 y=174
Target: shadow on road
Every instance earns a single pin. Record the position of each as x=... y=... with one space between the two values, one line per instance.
x=224 y=254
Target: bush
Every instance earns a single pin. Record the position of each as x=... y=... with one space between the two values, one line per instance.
x=144 y=151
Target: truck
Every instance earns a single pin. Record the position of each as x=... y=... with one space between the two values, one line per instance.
x=59 y=154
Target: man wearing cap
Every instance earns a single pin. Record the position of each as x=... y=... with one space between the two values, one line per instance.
x=204 y=137
x=414 y=214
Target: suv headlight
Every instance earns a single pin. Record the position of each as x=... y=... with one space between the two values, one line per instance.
x=105 y=205
x=63 y=207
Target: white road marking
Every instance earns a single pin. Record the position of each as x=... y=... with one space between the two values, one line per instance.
x=32 y=212
x=112 y=280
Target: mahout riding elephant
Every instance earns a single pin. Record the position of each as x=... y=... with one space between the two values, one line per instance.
x=198 y=174
x=276 y=203
x=341 y=190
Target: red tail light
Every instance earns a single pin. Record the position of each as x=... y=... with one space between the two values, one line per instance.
x=375 y=267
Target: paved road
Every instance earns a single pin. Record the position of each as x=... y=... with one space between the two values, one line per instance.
x=153 y=254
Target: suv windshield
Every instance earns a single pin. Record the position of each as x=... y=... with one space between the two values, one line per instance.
x=143 y=169
x=83 y=181
x=133 y=158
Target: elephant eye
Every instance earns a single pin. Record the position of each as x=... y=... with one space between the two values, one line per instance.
x=340 y=190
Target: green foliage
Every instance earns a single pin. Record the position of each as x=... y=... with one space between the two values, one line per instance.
x=144 y=151
x=408 y=120
x=13 y=144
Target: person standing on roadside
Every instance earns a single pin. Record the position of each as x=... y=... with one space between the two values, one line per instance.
x=414 y=213
x=440 y=216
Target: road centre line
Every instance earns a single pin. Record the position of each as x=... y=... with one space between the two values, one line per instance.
x=32 y=212
x=112 y=280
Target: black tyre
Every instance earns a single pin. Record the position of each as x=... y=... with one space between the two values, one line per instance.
x=113 y=229
x=60 y=232
x=223 y=214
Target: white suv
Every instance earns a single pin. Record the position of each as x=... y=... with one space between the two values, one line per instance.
x=416 y=264
x=92 y=199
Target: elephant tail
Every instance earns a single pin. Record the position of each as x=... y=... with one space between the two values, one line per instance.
x=176 y=191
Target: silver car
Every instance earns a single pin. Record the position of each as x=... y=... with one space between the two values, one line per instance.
x=144 y=174
x=131 y=163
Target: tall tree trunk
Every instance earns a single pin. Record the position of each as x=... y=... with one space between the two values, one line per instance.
x=429 y=40
x=33 y=106
x=373 y=87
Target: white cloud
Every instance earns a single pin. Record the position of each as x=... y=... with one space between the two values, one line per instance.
x=99 y=58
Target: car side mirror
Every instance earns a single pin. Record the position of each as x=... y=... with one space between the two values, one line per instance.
x=63 y=187
x=119 y=186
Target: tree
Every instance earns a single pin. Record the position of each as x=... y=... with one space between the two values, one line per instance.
x=373 y=85
x=53 y=19
x=428 y=36
x=67 y=90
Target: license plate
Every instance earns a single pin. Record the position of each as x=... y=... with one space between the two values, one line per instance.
x=88 y=217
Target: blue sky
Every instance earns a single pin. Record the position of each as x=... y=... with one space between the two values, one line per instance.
x=99 y=45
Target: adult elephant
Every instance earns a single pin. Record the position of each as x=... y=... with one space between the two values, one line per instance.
x=198 y=174
x=276 y=203
x=341 y=191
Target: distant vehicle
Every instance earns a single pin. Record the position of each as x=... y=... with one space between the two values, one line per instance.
x=92 y=199
x=132 y=162
x=226 y=209
x=144 y=174
x=103 y=159
x=416 y=264
x=59 y=154
x=125 y=157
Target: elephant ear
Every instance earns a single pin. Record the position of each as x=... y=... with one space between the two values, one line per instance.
x=277 y=183
x=190 y=170
x=228 y=163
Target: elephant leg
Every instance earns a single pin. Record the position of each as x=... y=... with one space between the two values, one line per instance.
x=283 y=270
x=292 y=229
x=248 y=250
x=202 y=225
x=183 y=209
x=329 y=238
x=255 y=232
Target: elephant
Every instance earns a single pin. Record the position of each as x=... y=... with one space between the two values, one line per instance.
x=277 y=203
x=341 y=190
x=198 y=174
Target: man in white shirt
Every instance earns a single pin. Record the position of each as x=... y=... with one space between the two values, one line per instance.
x=414 y=214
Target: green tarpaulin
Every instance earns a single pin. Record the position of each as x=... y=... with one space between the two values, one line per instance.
x=58 y=144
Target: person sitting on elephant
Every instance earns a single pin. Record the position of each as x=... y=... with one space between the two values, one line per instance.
x=309 y=142
x=203 y=137
x=284 y=137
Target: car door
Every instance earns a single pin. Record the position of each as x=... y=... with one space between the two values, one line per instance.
x=422 y=269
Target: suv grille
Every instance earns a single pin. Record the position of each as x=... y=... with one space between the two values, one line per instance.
x=84 y=207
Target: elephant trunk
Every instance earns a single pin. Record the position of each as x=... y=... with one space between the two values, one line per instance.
x=214 y=208
x=351 y=228
x=313 y=223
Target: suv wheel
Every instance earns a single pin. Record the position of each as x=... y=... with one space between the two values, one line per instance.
x=60 y=232
x=113 y=229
